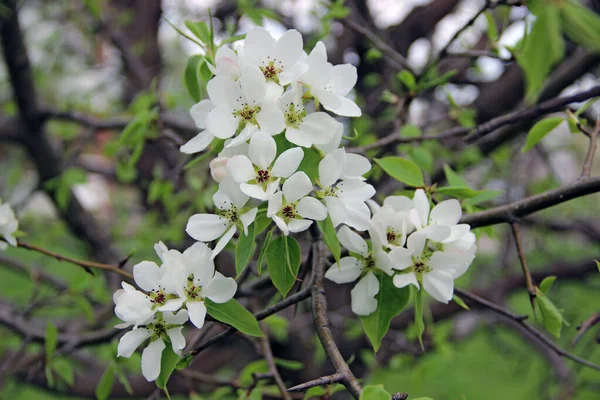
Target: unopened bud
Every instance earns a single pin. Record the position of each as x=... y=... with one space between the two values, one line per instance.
x=218 y=168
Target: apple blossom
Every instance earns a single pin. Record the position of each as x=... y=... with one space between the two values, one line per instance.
x=164 y=327
x=227 y=63
x=8 y=226
x=292 y=209
x=259 y=173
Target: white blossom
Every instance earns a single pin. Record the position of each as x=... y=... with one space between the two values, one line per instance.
x=292 y=209
x=330 y=84
x=259 y=174
x=230 y=216
x=218 y=165
x=164 y=327
x=8 y=226
x=227 y=63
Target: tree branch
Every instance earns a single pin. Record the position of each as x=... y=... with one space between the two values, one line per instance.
x=322 y=381
x=521 y=252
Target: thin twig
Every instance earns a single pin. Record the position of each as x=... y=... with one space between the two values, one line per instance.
x=319 y=311
x=530 y=329
x=589 y=158
x=268 y=355
x=470 y=22
x=87 y=265
x=586 y=326
x=322 y=381
x=516 y=231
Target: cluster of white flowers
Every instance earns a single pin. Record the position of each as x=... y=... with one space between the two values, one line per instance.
x=171 y=294
x=271 y=87
x=8 y=226
x=410 y=244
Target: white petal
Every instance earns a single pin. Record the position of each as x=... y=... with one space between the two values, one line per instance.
x=416 y=243
x=241 y=169
x=319 y=127
x=197 y=313
x=146 y=275
x=244 y=135
x=398 y=203
x=253 y=85
x=355 y=189
x=348 y=270
x=403 y=280
x=232 y=189
x=130 y=341
x=288 y=48
x=274 y=92
x=343 y=78
x=171 y=305
x=335 y=142
x=440 y=285
x=401 y=258
x=151 y=360
x=309 y=207
x=299 y=225
x=329 y=100
x=177 y=339
x=330 y=171
x=358 y=214
x=160 y=248
x=336 y=210
x=223 y=91
x=176 y=319
x=258 y=45
x=437 y=233
x=275 y=204
x=421 y=204
x=447 y=212
x=282 y=225
x=255 y=191
x=221 y=123
x=198 y=143
x=356 y=166
x=206 y=227
x=248 y=218
x=296 y=187
x=287 y=163
x=223 y=241
x=352 y=241
x=226 y=60
x=363 y=295
x=347 y=108
x=262 y=150
x=293 y=73
x=220 y=289
x=270 y=119
x=298 y=137
x=199 y=258
x=200 y=111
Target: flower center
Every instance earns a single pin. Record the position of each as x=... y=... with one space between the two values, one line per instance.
x=271 y=70
x=230 y=214
x=192 y=292
x=369 y=261
x=421 y=266
x=289 y=211
x=157 y=298
x=294 y=115
x=247 y=113
x=262 y=176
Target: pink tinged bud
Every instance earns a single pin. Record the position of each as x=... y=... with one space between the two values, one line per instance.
x=218 y=168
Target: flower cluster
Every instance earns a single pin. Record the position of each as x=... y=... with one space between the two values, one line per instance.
x=8 y=226
x=409 y=243
x=171 y=294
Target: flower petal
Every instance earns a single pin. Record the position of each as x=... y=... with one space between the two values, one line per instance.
x=296 y=187
x=347 y=108
x=221 y=123
x=363 y=295
x=288 y=48
x=241 y=169
x=206 y=227
x=275 y=204
x=398 y=203
x=343 y=78
x=356 y=166
x=130 y=341
x=223 y=92
x=403 y=280
x=358 y=214
x=258 y=45
x=416 y=243
x=421 y=204
x=220 y=289
x=440 y=285
x=176 y=319
x=248 y=218
x=151 y=360
x=336 y=209
x=299 y=225
x=197 y=313
x=177 y=339
x=282 y=225
x=330 y=171
x=352 y=241
x=348 y=270
x=200 y=111
x=146 y=275
x=254 y=85
x=287 y=163
x=262 y=150
x=319 y=127
x=448 y=212
x=329 y=100
x=401 y=258
x=270 y=119
x=224 y=240
x=309 y=207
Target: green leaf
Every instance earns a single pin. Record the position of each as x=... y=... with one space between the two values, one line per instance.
x=168 y=362
x=232 y=39
x=410 y=131
x=234 y=314
x=64 y=369
x=310 y=163
x=460 y=192
x=105 y=385
x=551 y=316
x=51 y=340
x=292 y=365
x=200 y=30
x=597 y=264
x=407 y=78
x=581 y=24
x=403 y=170
x=543 y=47
x=244 y=250
x=492 y=28
x=541 y=129
x=460 y=302
x=585 y=106
x=263 y=251
x=423 y=158
x=191 y=76
x=330 y=237
x=390 y=302
x=375 y=392
x=283 y=262
x=483 y=196
x=419 y=324
x=453 y=178
x=547 y=284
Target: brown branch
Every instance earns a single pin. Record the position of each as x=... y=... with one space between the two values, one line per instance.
x=488 y=304
x=586 y=326
x=589 y=158
x=319 y=311
x=529 y=329
x=87 y=265
x=322 y=381
x=268 y=355
x=521 y=252
x=513 y=211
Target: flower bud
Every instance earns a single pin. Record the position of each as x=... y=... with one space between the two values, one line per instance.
x=218 y=168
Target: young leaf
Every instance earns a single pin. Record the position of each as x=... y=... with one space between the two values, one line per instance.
x=244 y=250
x=200 y=30
x=460 y=192
x=420 y=325
x=105 y=385
x=460 y=302
x=191 y=76
x=483 y=196
x=585 y=106
x=551 y=316
x=410 y=131
x=234 y=314
x=232 y=39
x=407 y=78
x=403 y=170
x=330 y=237
x=453 y=178
x=64 y=369
x=375 y=392
x=283 y=262
x=51 y=340
x=539 y=130
x=168 y=362
x=547 y=284
x=492 y=28
x=581 y=24
x=263 y=251
x=597 y=264
x=390 y=302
